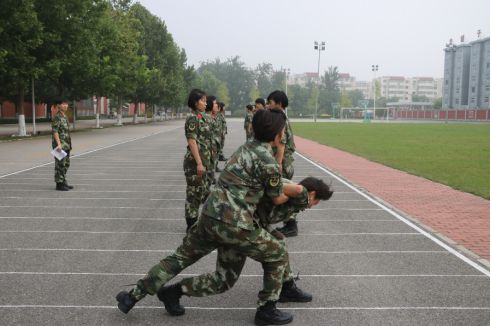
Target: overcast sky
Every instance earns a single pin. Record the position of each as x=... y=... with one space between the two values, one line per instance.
x=405 y=38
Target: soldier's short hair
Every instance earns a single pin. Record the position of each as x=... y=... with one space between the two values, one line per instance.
x=322 y=190
x=209 y=102
x=249 y=107
x=279 y=97
x=194 y=96
x=260 y=101
x=267 y=124
x=221 y=105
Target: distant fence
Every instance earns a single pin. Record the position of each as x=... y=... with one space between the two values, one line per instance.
x=461 y=115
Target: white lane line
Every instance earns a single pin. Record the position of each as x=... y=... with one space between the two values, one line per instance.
x=404 y=220
x=164 y=208
x=103 y=191
x=289 y=252
x=101 y=179
x=89 y=218
x=113 y=307
x=182 y=233
x=261 y=275
x=91 y=151
x=95 y=198
x=157 y=219
x=91 y=207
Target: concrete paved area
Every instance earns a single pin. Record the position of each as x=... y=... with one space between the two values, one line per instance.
x=64 y=255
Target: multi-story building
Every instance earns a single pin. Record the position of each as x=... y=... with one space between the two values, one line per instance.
x=466 y=75
x=302 y=79
x=349 y=83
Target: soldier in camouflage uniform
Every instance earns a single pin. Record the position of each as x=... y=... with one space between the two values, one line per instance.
x=248 y=122
x=197 y=160
x=227 y=222
x=284 y=155
x=223 y=122
x=216 y=134
x=61 y=140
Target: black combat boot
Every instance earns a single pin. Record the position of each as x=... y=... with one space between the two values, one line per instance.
x=170 y=296
x=61 y=187
x=222 y=158
x=290 y=229
x=190 y=222
x=269 y=315
x=291 y=293
x=67 y=185
x=125 y=301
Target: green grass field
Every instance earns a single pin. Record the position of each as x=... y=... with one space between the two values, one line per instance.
x=453 y=154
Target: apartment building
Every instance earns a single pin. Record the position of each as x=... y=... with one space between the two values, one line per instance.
x=466 y=75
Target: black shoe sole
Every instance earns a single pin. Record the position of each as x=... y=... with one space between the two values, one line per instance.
x=262 y=322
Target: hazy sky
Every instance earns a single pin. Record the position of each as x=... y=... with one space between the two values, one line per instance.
x=405 y=38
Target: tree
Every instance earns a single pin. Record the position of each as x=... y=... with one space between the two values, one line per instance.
x=20 y=35
x=345 y=100
x=437 y=103
x=298 y=98
x=329 y=92
x=419 y=98
x=356 y=96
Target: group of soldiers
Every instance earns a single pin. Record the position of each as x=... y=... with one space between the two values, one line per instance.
x=283 y=153
x=238 y=209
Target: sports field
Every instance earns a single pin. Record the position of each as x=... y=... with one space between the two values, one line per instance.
x=453 y=154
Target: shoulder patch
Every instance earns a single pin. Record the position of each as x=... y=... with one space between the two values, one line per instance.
x=192 y=125
x=274 y=180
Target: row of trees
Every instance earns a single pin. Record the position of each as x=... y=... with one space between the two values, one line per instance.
x=82 y=48
x=236 y=84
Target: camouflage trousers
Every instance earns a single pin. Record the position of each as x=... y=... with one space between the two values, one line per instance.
x=287 y=172
x=234 y=246
x=222 y=144
x=61 y=168
x=197 y=189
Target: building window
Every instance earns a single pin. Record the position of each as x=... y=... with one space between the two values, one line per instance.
x=473 y=89
x=486 y=99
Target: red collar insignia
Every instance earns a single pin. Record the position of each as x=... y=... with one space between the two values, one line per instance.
x=199 y=116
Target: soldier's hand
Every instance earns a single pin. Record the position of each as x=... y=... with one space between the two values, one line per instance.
x=58 y=148
x=200 y=169
x=278 y=235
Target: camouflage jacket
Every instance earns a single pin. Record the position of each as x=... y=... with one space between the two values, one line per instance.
x=247 y=123
x=289 y=142
x=251 y=173
x=267 y=213
x=62 y=127
x=216 y=128
x=198 y=127
x=223 y=122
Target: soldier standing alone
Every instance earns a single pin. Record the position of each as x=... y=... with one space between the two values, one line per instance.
x=61 y=140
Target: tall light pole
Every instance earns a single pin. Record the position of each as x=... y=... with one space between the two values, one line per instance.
x=318 y=47
x=374 y=69
x=287 y=73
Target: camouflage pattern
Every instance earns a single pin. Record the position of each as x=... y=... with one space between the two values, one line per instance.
x=267 y=213
x=224 y=130
x=226 y=222
x=61 y=126
x=61 y=168
x=248 y=125
x=216 y=131
x=250 y=173
x=207 y=235
x=287 y=164
x=197 y=127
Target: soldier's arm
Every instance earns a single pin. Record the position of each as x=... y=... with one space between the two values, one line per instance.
x=292 y=189
x=193 y=146
x=55 y=127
